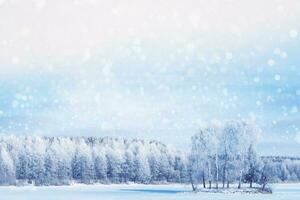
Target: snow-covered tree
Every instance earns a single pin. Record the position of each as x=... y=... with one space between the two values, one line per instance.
x=224 y=149
x=141 y=166
x=252 y=166
x=7 y=171
x=63 y=160
x=205 y=155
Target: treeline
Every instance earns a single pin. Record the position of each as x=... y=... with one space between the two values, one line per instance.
x=63 y=160
x=226 y=159
x=283 y=169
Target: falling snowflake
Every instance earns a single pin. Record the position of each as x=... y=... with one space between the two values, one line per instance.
x=271 y=62
x=283 y=55
x=277 y=51
x=277 y=77
x=15 y=104
x=258 y=103
x=256 y=79
x=293 y=33
x=294 y=109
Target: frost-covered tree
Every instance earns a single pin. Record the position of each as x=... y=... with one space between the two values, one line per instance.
x=114 y=166
x=141 y=166
x=181 y=168
x=82 y=165
x=50 y=170
x=7 y=171
x=266 y=174
x=252 y=167
x=199 y=159
x=224 y=149
x=205 y=155
x=100 y=168
x=63 y=160
x=128 y=169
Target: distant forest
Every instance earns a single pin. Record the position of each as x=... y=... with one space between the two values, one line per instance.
x=283 y=169
x=65 y=160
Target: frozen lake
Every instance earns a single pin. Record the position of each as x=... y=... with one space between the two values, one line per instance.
x=137 y=192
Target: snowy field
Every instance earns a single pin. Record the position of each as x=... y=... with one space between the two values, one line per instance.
x=137 y=192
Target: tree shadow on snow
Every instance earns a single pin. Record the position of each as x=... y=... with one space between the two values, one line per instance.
x=154 y=191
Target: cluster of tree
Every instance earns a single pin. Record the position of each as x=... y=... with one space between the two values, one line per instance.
x=62 y=160
x=224 y=153
x=283 y=169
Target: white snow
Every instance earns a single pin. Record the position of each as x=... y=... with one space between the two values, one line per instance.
x=138 y=192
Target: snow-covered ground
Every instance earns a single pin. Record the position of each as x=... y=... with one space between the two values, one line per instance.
x=137 y=192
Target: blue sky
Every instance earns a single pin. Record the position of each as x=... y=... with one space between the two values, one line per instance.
x=158 y=70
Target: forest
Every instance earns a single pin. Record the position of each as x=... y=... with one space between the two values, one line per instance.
x=221 y=155
x=63 y=160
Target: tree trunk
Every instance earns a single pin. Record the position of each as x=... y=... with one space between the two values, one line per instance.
x=225 y=171
x=192 y=182
x=241 y=170
x=251 y=184
x=224 y=177
x=193 y=187
x=227 y=184
x=217 y=171
x=223 y=184
x=209 y=175
x=263 y=186
x=203 y=180
x=240 y=179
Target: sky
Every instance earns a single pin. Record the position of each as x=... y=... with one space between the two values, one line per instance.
x=150 y=69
